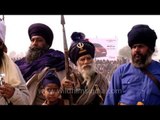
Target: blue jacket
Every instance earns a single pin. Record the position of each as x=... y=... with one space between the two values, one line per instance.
x=129 y=86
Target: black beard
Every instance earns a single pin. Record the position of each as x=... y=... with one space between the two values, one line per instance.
x=142 y=61
x=1 y=56
x=34 y=53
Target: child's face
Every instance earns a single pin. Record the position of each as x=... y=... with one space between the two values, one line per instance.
x=51 y=92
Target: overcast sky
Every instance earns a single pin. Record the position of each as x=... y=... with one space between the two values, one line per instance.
x=94 y=26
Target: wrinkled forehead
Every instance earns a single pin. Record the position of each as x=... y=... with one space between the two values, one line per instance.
x=85 y=56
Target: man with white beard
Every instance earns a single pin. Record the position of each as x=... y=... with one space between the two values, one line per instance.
x=85 y=86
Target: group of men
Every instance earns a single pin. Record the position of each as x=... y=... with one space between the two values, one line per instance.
x=40 y=77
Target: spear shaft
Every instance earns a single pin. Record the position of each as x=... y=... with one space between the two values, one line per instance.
x=3 y=17
x=66 y=53
x=65 y=47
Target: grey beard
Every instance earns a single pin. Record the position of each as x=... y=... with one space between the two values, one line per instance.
x=144 y=61
x=34 y=53
x=87 y=72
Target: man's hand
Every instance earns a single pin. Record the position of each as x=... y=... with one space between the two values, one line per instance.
x=6 y=90
x=67 y=84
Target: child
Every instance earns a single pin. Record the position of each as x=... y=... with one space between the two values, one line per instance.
x=51 y=90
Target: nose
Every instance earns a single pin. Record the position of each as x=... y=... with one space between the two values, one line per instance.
x=34 y=42
x=86 y=60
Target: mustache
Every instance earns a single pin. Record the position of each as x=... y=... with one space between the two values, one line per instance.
x=34 y=53
x=33 y=48
x=138 y=53
x=87 y=65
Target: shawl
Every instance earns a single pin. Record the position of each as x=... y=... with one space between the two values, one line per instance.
x=52 y=59
x=11 y=71
x=90 y=93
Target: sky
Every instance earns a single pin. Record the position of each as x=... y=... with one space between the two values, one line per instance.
x=94 y=26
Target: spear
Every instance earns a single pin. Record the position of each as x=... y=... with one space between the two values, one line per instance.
x=66 y=56
x=65 y=48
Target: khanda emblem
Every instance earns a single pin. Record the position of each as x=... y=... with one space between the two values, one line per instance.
x=80 y=46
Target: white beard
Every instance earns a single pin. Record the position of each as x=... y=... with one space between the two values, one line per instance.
x=86 y=71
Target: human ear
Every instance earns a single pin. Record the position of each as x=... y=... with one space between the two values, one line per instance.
x=43 y=91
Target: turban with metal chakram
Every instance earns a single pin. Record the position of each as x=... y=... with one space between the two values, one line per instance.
x=41 y=30
x=81 y=48
x=142 y=34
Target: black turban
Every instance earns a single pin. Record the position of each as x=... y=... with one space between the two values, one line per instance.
x=142 y=34
x=41 y=30
x=78 y=49
x=51 y=78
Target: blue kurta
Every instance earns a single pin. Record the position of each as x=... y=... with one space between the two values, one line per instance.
x=129 y=86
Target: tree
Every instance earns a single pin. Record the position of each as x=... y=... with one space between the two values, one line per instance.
x=125 y=52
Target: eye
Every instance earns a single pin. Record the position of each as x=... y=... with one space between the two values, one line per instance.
x=52 y=89
x=82 y=59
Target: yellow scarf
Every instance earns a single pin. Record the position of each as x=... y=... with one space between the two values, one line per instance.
x=11 y=71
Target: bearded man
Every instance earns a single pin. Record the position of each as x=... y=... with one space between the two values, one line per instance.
x=39 y=60
x=13 y=89
x=85 y=86
x=137 y=83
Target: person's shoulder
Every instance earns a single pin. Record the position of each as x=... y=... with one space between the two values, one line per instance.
x=58 y=51
x=124 y=65
x=154 y=65
x=19 y=61
x=123 y=68
x=55 y=54
x=55 y=51
x=156 y=62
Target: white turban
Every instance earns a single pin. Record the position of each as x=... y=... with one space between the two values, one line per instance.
x=2 y=30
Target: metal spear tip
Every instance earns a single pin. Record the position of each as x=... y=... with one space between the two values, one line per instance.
x=62 y=20
x=3 y=17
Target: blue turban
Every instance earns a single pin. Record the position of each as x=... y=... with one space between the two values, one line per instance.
x=78 y=49
x=41 y=30
x=142 y=34
x=51 y=78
